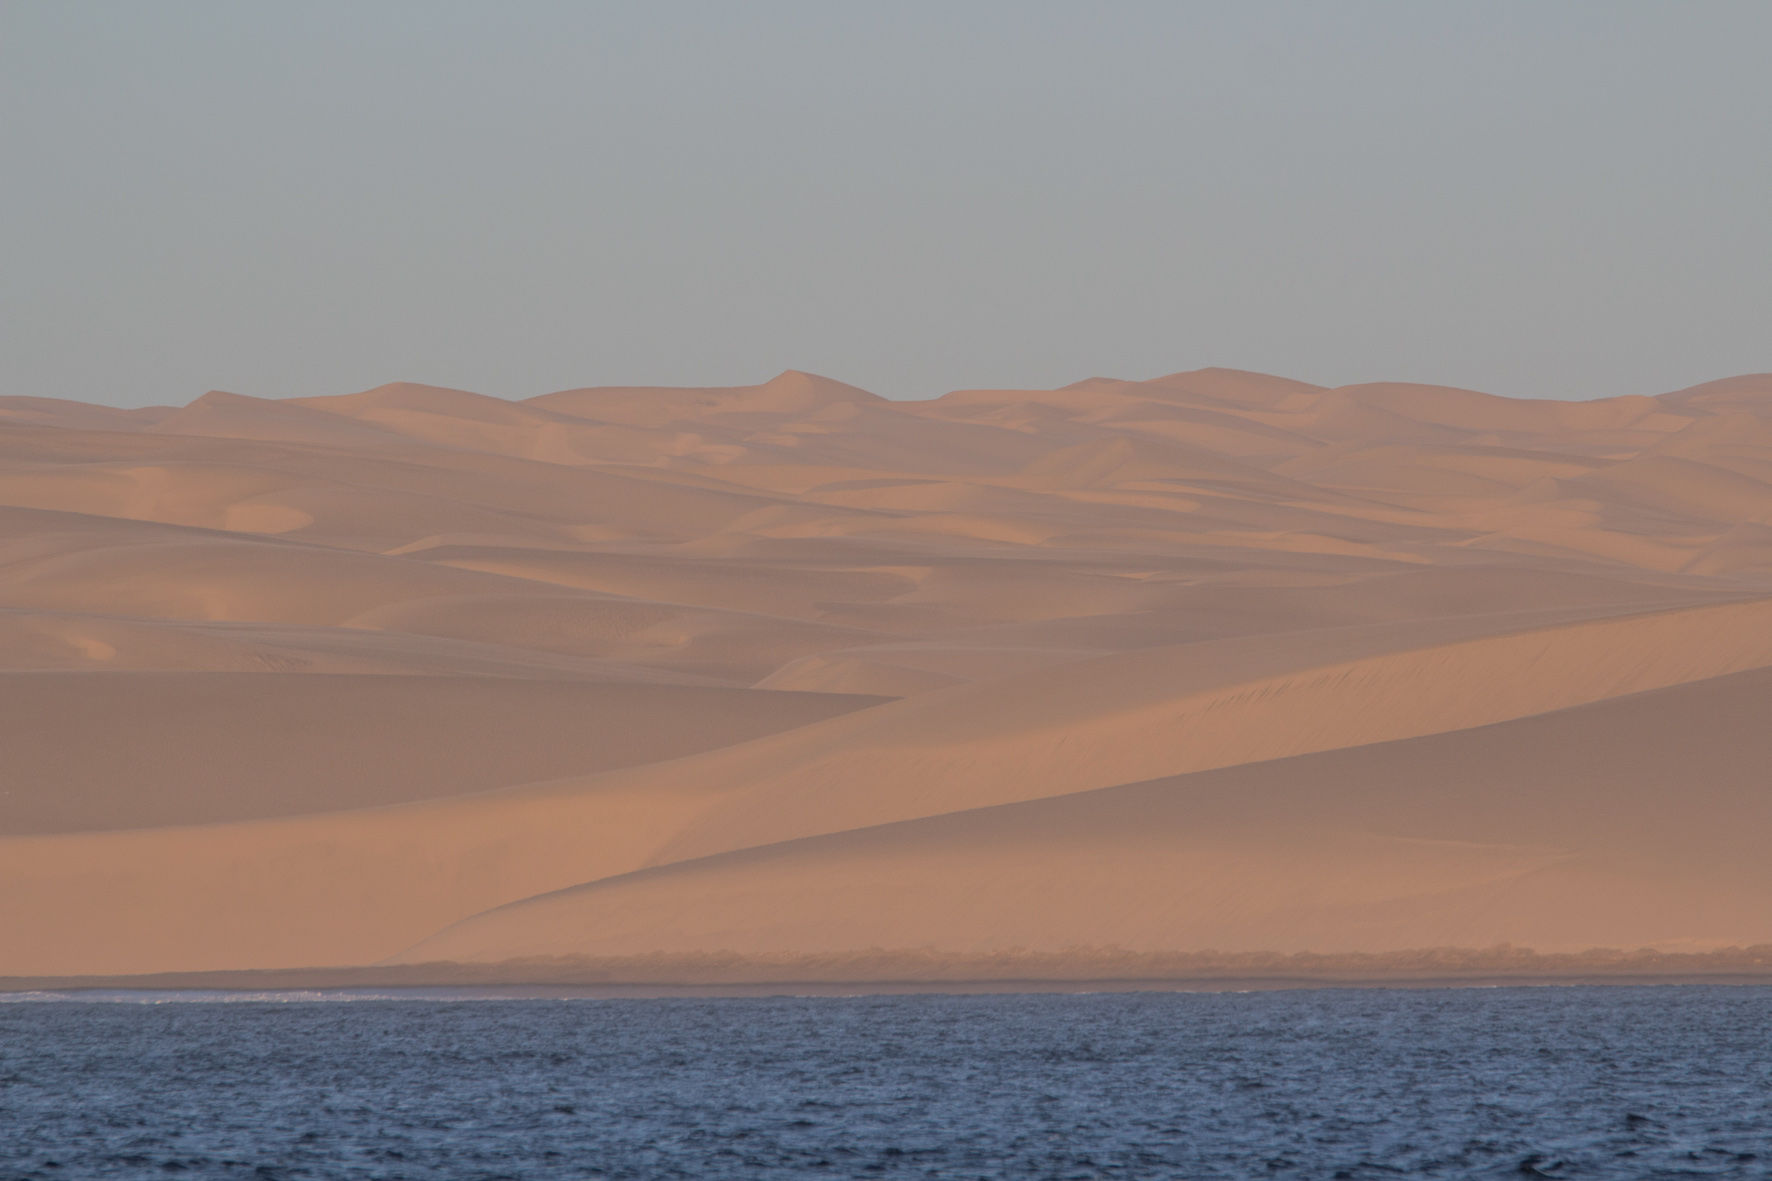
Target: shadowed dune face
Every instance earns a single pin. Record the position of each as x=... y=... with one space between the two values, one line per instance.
x=276 y=744
x=1215 y=661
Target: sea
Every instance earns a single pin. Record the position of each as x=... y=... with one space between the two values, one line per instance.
x=1602 y=1082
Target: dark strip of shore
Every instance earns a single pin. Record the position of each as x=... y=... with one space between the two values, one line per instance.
x=916 y=972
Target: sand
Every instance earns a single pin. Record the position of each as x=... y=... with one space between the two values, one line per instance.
x=1163 y=679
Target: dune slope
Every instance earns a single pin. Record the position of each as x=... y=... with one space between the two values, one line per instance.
x=1635 y=822
x=1215 y=660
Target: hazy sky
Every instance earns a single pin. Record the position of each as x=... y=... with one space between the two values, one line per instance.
x=1538 y=198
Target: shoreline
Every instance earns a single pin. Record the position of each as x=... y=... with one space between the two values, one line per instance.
x=878 y=973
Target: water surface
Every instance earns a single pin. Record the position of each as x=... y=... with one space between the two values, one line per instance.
x=1560 y=1082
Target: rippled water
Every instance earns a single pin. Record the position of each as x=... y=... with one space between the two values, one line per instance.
x=1562 y=1082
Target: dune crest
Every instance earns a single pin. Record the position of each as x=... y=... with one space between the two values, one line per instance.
x=1215 y=662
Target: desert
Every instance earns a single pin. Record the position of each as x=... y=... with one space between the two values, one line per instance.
x=1125 y=680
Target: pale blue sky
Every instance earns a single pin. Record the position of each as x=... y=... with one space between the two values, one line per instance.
x=1549 y=199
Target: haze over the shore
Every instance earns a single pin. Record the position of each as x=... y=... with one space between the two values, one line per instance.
x=1216 y=662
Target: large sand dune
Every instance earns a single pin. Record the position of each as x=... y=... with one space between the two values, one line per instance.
x=1557 y=831
x=785 y=672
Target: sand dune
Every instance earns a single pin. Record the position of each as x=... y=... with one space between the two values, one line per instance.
x=156 y=896
x=1637 y=822
x=275 y=745
x=1215 y=660
x=34 y=640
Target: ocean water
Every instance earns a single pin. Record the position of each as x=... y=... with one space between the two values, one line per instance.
x=1559 y=1082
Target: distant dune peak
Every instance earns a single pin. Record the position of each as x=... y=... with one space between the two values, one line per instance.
x=412 y=394
x=1234 y=385
x=796 y=389
x=1750 y=391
